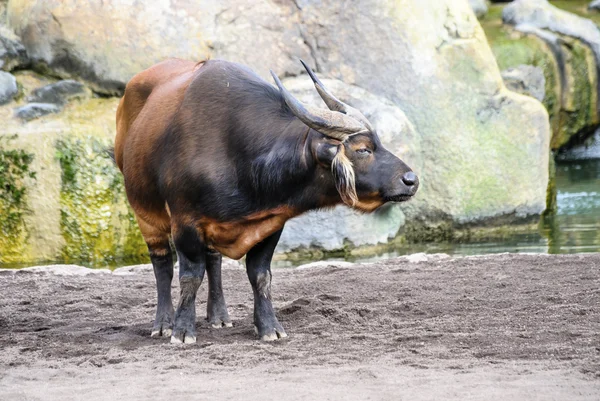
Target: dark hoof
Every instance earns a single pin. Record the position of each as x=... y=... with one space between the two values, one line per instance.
x=271 y=334
x=163 y=325
x=163 y=329
x=183 y=337
x=183 y=332
x=219 y=324
x=219 y=319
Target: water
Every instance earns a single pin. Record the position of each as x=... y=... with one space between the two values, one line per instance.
x=575 y=226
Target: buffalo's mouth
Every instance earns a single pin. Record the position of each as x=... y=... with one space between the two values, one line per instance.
x=398 y=198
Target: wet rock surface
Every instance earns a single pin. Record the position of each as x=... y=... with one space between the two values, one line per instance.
x=503 y=327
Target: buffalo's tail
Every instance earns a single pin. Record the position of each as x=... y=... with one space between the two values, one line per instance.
x=110 y=152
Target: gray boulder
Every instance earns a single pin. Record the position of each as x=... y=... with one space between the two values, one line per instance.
x=541 y=14
x=58 y=93
x=263 y=34
x=12 y=52
x=527 y=80
x=480 y=7
x=8 y=87
x=31 y=111
x=475 y=138
x=573 y=44
x=594 y=5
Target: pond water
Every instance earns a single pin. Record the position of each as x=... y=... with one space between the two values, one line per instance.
x=573 y=228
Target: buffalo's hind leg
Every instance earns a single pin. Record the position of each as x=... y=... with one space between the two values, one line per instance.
x=258 y=267
x=161 y=257
x=216 y=308
x=191 y=252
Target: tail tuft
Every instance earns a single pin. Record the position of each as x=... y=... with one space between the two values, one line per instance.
x=110 y=152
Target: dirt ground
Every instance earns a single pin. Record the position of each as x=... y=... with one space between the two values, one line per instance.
x=504 y=327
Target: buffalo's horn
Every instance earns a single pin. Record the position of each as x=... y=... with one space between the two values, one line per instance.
x=333 y=102
x=330 y=123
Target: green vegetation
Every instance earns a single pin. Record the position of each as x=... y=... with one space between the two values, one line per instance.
x=97 y=228
x=14 y=171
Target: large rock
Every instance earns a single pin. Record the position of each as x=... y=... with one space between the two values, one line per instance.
x=342 y=226
x=123 y=38
x=8 y=87
x=541 y=14
x=561 y=44
x=483 y=150
x=594 y=5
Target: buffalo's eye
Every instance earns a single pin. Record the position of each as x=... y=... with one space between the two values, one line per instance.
x=364 y=151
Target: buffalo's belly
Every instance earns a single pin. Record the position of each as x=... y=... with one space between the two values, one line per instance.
x=235 y=239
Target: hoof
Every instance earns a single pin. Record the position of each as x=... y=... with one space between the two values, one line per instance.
x=161 y=331
x=185 y=339
x=220 y=324
x=274 y=336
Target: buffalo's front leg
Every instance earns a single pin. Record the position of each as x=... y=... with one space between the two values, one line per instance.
x=258 y=267
x=191 y=252
x=216 y=308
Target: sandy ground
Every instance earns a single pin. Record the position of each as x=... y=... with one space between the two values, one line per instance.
x=506 y=327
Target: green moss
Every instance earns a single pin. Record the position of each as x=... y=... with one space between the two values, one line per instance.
x=551 y=192
x=14 y=170
x=98 y=228
x=447 y=232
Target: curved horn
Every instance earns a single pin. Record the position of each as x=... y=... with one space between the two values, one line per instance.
x=330 y=123
x=333 y=102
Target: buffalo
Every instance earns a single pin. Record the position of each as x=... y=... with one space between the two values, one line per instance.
x=216 y=160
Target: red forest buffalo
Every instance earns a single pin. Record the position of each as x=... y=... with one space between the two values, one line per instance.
x=218 y=159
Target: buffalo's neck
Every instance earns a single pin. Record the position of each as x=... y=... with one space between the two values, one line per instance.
x=287 y=174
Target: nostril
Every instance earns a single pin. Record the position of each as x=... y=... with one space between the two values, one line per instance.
x=409 y=178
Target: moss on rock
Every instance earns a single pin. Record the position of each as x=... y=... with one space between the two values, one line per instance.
x=15 y=170
x=578 y=113
x=571 y=75
x=96 y=224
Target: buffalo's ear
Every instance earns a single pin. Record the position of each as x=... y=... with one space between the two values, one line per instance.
x=326 y=152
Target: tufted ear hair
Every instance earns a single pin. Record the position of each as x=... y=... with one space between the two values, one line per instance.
x=343 y=174
x=326 y=152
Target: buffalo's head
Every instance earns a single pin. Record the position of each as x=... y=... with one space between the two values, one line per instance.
x=365 y=173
